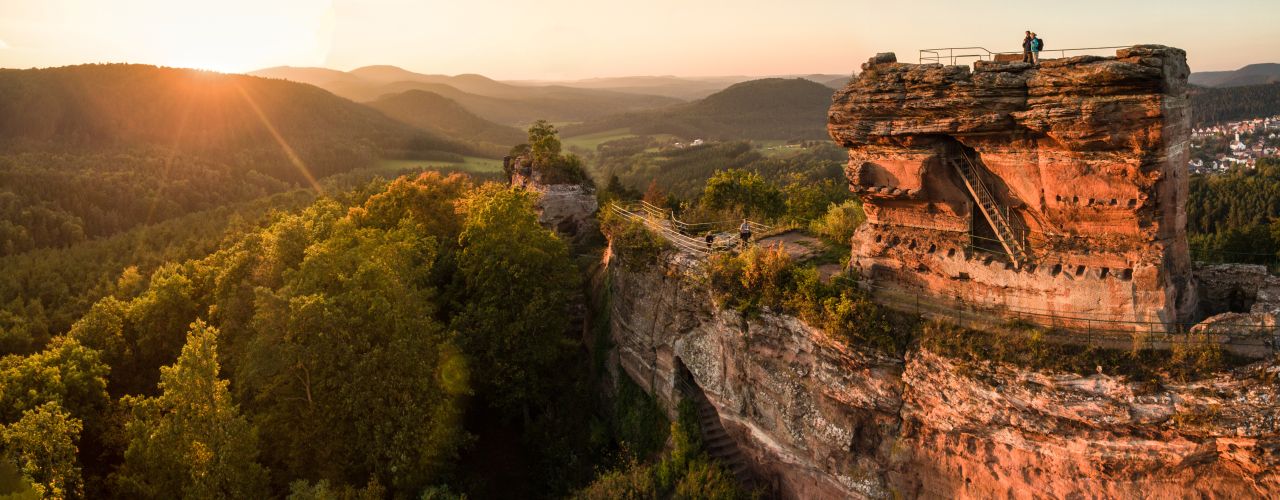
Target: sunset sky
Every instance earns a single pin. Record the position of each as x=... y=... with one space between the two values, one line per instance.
x=563 y=39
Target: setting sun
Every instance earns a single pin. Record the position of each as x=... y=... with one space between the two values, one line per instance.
x=230 y=36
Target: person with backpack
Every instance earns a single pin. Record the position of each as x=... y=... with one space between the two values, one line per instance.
x=1036 y=46
x=1026 y=48
x=744 y=231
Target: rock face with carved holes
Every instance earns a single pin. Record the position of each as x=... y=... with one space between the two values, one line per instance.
x=1057 y=189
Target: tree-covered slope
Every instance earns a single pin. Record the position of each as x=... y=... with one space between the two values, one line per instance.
x=89 y=151
x=1253 y=74
x=1214 y=105
x=435 y=113
x=191 y=111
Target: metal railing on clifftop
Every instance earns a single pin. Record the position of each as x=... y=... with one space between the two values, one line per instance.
x=966 y=55
x=675 y=231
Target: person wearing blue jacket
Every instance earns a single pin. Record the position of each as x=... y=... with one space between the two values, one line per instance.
x=1036 y=45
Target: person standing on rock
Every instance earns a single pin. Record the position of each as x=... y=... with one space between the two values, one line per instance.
x=745 y=232
x=1026 y=48
x=1036 y=45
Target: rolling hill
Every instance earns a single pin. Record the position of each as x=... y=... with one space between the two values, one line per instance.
x=515 y=105
x=89 y=151
x=97 y=106
x=1253 y=74
x=433 y=112
x=771 y=108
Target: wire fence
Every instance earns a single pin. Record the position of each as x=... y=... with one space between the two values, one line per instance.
x=1112 y=331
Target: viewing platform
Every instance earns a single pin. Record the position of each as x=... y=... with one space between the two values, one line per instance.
x=952 y=56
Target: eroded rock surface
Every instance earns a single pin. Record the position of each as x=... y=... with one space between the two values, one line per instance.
x=822 y=420
x=1085 y=157
x=569 y=209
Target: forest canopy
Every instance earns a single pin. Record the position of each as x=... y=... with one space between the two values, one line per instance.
x=358 y=335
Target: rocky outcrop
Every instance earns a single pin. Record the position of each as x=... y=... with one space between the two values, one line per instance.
x=1084 y=158
x=822 y=420
x=569 y=209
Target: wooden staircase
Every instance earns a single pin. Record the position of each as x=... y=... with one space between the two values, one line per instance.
x=990 y=210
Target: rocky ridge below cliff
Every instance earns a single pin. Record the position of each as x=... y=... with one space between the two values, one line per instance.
x=822 y=419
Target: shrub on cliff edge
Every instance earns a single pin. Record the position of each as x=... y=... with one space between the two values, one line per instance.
x=766 y=278
x=632 y=243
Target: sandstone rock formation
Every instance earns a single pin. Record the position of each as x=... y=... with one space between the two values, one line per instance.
x=569 y=209
x=823 y=420
x=1084 y=159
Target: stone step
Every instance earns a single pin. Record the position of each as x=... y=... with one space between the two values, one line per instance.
x=722 y=449
x=719 y=442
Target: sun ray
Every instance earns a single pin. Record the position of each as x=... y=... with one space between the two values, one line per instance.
x=288 y=150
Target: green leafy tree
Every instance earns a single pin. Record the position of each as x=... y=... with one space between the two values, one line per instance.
x=544 y=142
x=745 y=193
x=66 y=373
x=808 y=199
x=839 y=222
x=42 y=444
x=517 y=280
x=348 y=368
x=191 y=441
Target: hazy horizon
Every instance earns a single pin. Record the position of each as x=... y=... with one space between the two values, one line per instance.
x=572 y=40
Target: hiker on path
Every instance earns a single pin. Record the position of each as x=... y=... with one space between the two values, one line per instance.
x=1026 y=48
x=1036 y=45
x=745 y=232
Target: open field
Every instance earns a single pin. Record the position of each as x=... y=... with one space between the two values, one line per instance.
x=472 y=164
x=590 y=141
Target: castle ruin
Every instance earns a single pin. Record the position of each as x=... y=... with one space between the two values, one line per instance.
x=1056 y=189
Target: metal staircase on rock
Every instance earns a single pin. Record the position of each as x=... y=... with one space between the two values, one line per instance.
x=990 y=210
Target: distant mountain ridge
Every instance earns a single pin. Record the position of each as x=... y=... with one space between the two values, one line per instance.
x=1253 y=74
x=514 y=105
x=766 y=109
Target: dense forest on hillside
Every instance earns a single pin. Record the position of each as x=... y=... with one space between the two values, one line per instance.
x=1236 y=217
x=89 y=151
x=394 y=342
x=772 y=108
x=436 y=113
x=1216 y=105
x=682 y=172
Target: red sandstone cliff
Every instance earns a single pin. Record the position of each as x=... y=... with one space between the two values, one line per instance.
x=822 y=420
x=1084 y=156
